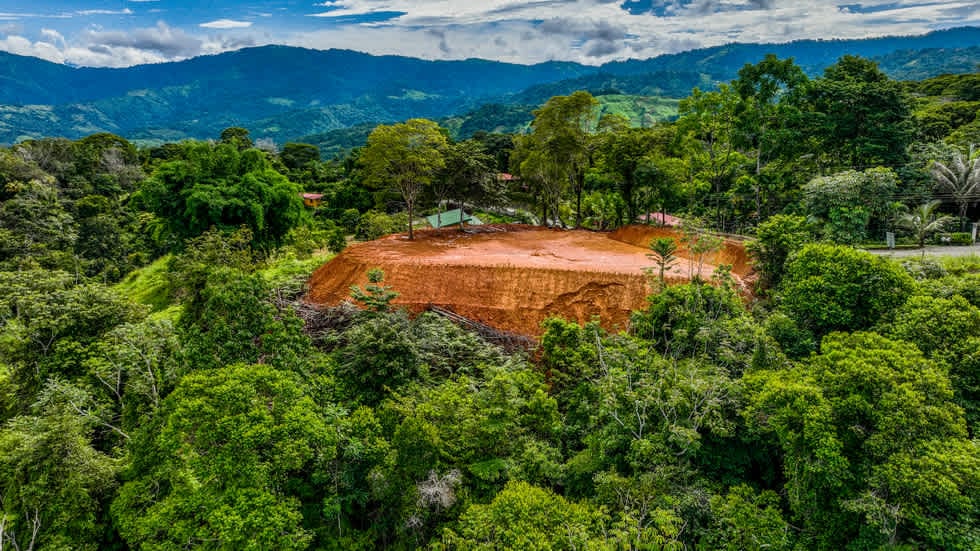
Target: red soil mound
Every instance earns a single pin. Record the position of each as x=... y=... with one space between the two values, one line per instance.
x=732 y=252
x=512 y=277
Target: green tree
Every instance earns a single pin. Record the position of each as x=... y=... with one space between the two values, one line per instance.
x=337 y=240
x=625 y=153
x=225 y=465
x=924 y=221
x=833 y=288
x=775 y=240
x=237 y=137
x=946 y=330
x=959 y=179
x=860 y=409
x=557 y=151
x=34 y=223
x=523 y=516
x=135 y=366
x=406 y=157
x=746 y=520
x=698 y=321
x=467 y=176
x=768 y=117
x=858 y=115
x=377 y=355
x=375 y=296
x=54 y=485
x=297 y=156
x=214 y=332
x=707 y=124
x=850 y=203
x=52 y=325
x=663 y=254
x=303 y=166
x=698 y=244
x=222 y=187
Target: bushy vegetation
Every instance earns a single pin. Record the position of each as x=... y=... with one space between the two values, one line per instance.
x=162 y=387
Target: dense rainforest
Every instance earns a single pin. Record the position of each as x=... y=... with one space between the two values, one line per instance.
x=164 y=386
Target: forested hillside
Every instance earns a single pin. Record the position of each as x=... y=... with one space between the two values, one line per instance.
x=163 y=384
x=284 y=93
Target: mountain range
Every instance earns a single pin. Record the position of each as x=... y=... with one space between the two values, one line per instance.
x=287 y=93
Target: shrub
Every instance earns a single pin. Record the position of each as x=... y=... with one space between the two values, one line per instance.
x=376 y=224
x=834 y=288
x=960 y=238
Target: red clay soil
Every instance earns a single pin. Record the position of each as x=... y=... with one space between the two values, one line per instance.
x=512 y=277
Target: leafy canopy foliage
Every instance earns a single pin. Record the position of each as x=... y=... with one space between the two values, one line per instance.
x=850 y=421
x=405 y=157
x=220 y=471
x=522 y=516
x=834 y=288
x=849 y=203
x=859 y=116
x=775 y=240
x=224 y=187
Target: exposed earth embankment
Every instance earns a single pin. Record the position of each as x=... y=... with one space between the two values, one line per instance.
x=512 y=277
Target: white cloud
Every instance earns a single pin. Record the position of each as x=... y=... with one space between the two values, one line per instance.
x=125 y=11
x=53 y=36
x=596 y=31
x=19 y=45
x=588 y=31
x=226 y=24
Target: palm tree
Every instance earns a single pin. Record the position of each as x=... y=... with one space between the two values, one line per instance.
x=924 y=220
x=959 y=179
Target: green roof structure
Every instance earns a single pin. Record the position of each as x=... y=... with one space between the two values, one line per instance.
x=451 y=218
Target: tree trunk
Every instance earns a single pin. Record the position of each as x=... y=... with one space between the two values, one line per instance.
x=411 y=212
x=627 y=193
x=459 y=204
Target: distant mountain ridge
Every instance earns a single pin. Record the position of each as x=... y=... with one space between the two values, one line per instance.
x=285 y=93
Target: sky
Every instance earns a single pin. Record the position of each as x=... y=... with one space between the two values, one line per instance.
x=117 y=33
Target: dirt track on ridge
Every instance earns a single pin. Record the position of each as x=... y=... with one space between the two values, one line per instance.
x=512 y=277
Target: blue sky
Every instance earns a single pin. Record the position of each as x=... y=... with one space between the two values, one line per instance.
x=128 y=32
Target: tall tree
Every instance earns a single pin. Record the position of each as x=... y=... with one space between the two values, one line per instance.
x=223 y=468
x=220 y=186
x=558 y=146
x=625 y=152
x=237 y=136
x=832 y=288
x=767 y=116
x=849 y=204
x=872 y=443
x=467 y=175
x=405 y=156
x=959 y=179
x=707 y=126
x=859 y=116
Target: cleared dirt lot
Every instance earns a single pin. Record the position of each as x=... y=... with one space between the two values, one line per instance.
x=512 y=277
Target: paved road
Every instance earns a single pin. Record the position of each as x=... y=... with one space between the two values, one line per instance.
x=930 y=251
